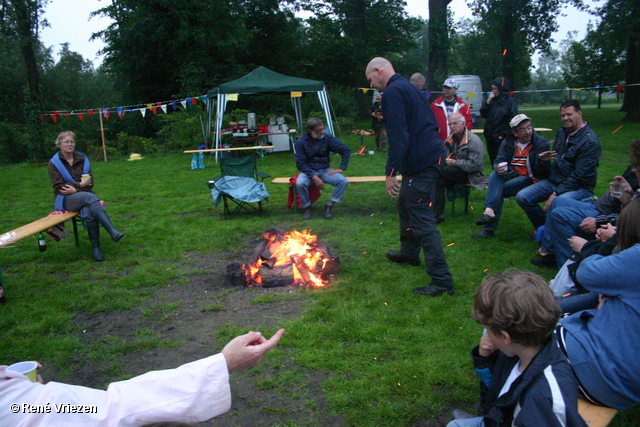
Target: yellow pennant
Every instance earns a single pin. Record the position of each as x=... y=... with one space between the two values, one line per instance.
x=232 y=97
x=296 y=94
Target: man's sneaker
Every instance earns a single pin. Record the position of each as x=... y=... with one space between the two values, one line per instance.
x=307 y=213
x=548 y=261
x=484 y=234
x=397 y=256
x=433 y=291
x=486 y=220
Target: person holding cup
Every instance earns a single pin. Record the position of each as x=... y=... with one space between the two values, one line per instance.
x=70 y=174
x=517 y=166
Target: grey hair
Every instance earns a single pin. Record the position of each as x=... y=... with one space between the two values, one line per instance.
x=313 y=122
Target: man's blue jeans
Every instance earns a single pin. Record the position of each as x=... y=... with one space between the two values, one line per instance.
x=530 y=197
x=499 y=188
x=337 y=180
x=563 y=222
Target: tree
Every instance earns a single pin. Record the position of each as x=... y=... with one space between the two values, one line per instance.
x=620 y=30
x=439 y=28
x=518 y=27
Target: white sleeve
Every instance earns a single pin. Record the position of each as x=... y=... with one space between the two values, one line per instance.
x=191 y=393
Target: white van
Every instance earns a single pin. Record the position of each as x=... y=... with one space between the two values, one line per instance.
x=470 y=90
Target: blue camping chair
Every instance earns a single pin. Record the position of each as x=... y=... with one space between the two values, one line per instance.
x=237 y=186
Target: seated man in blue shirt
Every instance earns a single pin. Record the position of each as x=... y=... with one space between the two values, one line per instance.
x=312 y=160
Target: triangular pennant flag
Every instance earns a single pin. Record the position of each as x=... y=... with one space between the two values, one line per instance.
x=194 y=101
x=42 y=118
x=512 y=93
x=154 y=109
x=296 y=94
x=105 y=111
x=470 y=95
x=365 y=89
x=67 y=114
x=107 y=114
x=428 y=94
x=54 y=117
x=188 y=101
x=90 y=113
x=184 y=104
x=81 y=117
x=232 y=97
x=149 y=105
x=577 y=88
x=619 y=88
x=120 y=112
x=164 y=108
x=598 y=86
x=143 y=111
x=174 y=106
x=205 y=98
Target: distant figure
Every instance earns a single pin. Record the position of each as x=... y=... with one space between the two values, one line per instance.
x=448 y=104
x=377 y=123
x=417 y=153
x=72 y=180
x=313 y=162
x=498 y=110
x=517 y=166
x=418 y=80
x=525 y=378
x=575 y=169
x=463 y=165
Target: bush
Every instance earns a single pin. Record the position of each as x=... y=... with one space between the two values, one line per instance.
x=13 y=144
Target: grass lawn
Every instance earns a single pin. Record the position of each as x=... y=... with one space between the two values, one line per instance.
x=388 y=356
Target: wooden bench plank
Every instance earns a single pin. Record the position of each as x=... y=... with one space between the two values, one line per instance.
x=213 y=150
x=350 y=179
x=595 y=416
x=36 y=227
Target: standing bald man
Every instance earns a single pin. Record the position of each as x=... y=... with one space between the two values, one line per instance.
x=417 y=153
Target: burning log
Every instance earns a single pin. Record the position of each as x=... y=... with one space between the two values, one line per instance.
x=286 y=259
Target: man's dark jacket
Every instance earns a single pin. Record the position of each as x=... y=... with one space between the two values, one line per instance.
x=539 y=168
x=577 y=158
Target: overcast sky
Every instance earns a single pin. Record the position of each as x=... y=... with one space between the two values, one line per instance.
x=69 y=22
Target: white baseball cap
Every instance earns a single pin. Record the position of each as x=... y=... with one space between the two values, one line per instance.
x=518 y=119
x=450 y=83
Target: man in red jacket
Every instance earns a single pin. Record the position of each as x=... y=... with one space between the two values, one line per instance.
x=448 y=104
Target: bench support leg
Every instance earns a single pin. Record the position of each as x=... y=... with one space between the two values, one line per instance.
x=74 y=220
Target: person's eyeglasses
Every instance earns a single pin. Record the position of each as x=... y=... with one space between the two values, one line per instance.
x=455 y=123
x=525 y=130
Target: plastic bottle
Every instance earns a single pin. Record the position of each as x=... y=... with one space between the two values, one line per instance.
x=42 y=244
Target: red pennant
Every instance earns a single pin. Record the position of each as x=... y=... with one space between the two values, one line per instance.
x=90 y=113
x=194 y=101
x=42 y=118
x=154 y=109
x=619 y=88
x=107 y=114
x=67 y=114
x=512 y=93
x=81 y=117
x=120 y=114
x=54 y=117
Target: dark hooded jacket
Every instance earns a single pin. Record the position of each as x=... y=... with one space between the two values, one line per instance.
x=499 y=112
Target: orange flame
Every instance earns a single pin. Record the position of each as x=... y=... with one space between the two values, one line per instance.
x=298 y=249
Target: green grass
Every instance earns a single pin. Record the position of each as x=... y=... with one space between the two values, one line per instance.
x=392 y=358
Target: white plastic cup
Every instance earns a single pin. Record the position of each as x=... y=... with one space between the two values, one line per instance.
x=28 y=369
x=503 y=164
x=371 y=151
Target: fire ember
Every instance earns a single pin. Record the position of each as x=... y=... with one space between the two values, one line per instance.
x=286 y=259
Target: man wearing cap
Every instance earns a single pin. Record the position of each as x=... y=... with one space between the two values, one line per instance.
x=377 y=124
x=448 y=104
x=463 y=165
x=416 y=152
x=498 y=111
x=573 y=174
x=517 y=166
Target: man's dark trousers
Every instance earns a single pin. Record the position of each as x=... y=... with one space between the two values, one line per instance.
x=418 y=225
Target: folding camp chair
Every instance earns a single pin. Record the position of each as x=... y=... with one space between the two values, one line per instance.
x=237 y=186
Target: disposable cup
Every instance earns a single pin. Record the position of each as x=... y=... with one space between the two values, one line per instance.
x=28 y=369
x=502 y=164
x=85 y=175
x=371 y=152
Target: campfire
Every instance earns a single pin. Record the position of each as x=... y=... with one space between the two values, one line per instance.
x=286 y=259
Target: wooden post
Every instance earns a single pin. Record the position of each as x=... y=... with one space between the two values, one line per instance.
x=104 y=148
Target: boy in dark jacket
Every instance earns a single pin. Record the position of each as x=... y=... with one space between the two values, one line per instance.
x=525 y=378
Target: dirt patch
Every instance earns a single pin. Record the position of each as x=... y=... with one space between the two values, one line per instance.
x=179 y=324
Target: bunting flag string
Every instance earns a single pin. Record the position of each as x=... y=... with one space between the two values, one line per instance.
x=106 y=112
x=616 y=88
